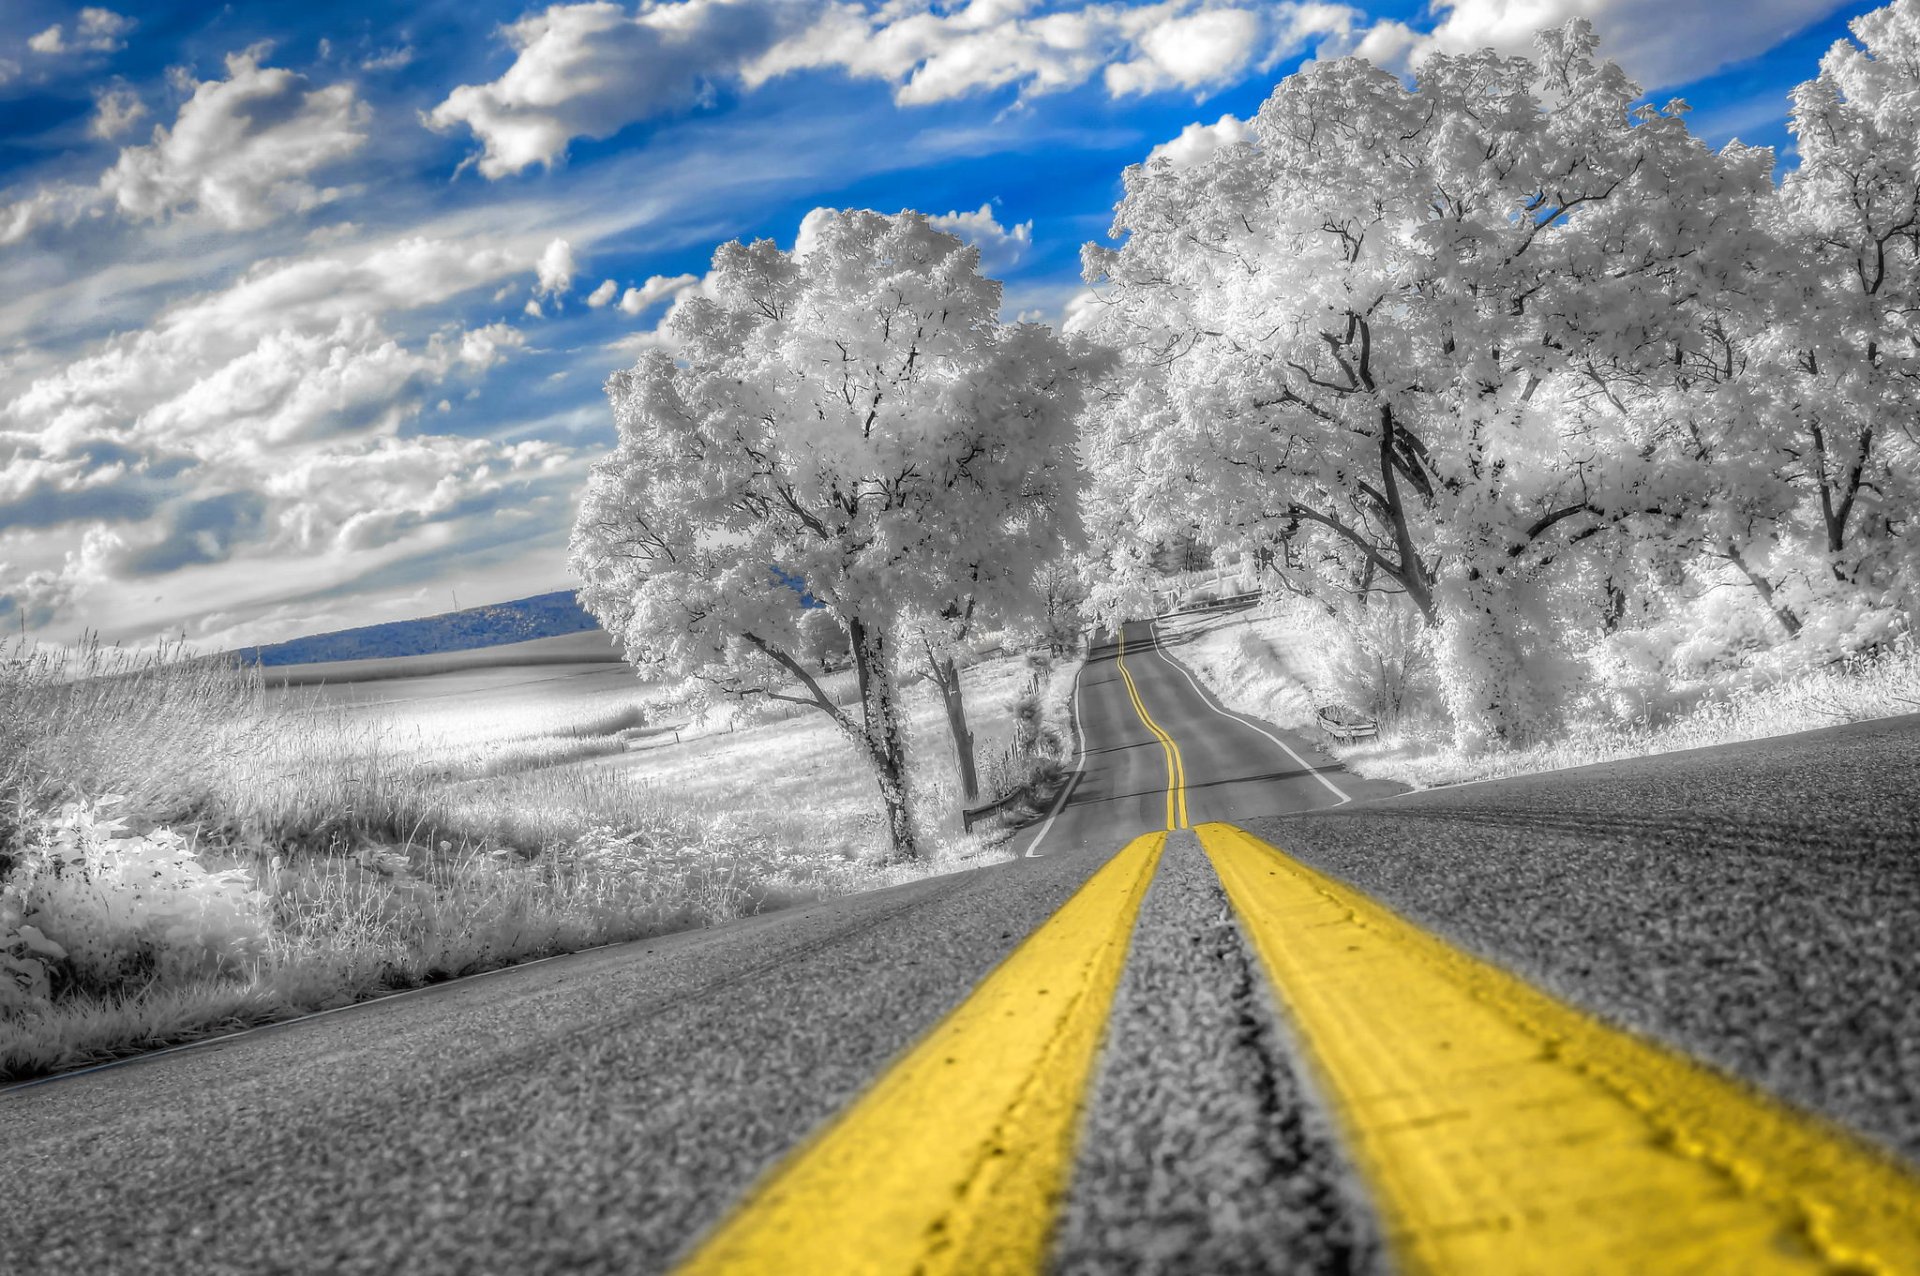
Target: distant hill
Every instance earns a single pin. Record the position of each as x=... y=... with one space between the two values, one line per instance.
x=542 y=616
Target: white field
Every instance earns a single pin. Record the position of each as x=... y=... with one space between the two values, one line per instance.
x=412 y=825
x=572 y=739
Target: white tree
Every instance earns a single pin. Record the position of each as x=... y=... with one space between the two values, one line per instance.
x=842 y=438
x=1840 y=418
x=1386 y=329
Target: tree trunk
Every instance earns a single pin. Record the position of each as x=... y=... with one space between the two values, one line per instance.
x=881 y=736
x=1764 y=587
x=948 y=677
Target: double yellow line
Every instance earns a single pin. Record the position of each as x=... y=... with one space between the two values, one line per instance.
x=1176 y=766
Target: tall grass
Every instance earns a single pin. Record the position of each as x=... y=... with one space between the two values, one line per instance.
x=401 y=842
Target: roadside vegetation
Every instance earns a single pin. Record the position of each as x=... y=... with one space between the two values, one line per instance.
x=1591 y=427
x=1289 y=658
x=184 y=850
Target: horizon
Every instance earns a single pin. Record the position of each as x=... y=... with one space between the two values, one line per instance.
x=312 y=314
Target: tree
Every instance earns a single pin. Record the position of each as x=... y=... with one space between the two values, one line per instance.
x=851 y=415
x=1843 y=349
x=1386 y=328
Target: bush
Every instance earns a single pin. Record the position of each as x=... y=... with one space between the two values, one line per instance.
x=109 y=907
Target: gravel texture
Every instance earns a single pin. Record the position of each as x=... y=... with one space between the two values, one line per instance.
x=1201 y=1151
x=1757 y=905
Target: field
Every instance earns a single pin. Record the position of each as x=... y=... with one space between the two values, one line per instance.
x=336 y=836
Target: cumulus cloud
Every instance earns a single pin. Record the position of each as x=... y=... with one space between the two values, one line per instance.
x=1658 y=42
x=589 y=70
x=555 y=270
x=116 y=109
x=657 y=289
x=1206 y=48
x=1197 y=142
x=209 y=435
x=605 y=293
x=241 y=148
x=1000 y=246
x=97 y=31
x=239 y=154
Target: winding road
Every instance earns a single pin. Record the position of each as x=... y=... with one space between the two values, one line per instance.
x=1231 y=1010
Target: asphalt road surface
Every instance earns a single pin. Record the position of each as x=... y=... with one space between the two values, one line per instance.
x=1754 y=906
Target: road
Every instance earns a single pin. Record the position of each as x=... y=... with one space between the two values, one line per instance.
x=1078 y=1060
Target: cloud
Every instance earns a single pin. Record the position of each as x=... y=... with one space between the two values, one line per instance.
x=1197 y=142
x=1206 y=48
x=1658 y=42
x=389 y=59
x=239 y=154
x=270 y=421
x=656 y=289
x=555 y=269
x=590 y=70
x=241 y=148
x=1000 y=246
x=937 y=54
x=605 y=293
x=97 y=31
x=116 y=109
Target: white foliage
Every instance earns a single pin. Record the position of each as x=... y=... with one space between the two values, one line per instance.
x=849 y=420
x=1383 y=346
x=109 y=905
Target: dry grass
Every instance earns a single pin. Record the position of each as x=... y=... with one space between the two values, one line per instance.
x=412 y=830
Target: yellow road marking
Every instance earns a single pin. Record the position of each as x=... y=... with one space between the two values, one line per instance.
x=956 y=1159
x=1176 y=765
x=1505 y=1132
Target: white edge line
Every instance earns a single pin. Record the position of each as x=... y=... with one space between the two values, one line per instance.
x=1153 y=628
x=1079 y=761
x=382 y=999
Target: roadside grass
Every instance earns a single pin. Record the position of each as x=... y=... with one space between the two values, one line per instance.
x=397 y=840
x=1258 y=664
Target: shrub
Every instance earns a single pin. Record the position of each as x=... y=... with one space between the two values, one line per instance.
x=111 y=907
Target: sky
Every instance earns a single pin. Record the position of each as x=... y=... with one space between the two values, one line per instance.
x=307 y=308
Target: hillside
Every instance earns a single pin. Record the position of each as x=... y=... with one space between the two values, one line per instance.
x=542 y=616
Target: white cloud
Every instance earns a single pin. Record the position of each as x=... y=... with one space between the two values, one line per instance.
x=656 y=289
x=116 y=109
x=589 y=70
x=1000 y=246
x=239 y=154
x=97 y=31
x=274 y=409
x=1197 y=142
x=603 y=294
x=1082 y=311
x=241 y=148
x=389 y=59
x=555 y=269
x=1206 y=48
x=1658 y=42
x=295 y=349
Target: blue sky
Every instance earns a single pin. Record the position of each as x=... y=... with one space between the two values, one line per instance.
x=308 y=307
